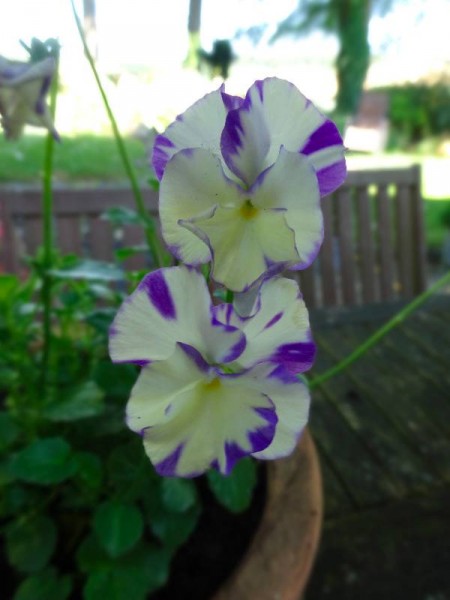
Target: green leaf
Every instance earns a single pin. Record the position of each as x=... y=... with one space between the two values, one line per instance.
x=101 y=318
x=130 y=471
x=178 y=495
x=6 y=475
x=84 y=401
x=45 y=461
x=133 y=576
x=8 y=284
x=89 y=470
x=95 y=270
x=235 y=491
x=174 y=529
x=30 y=545
x=128 y=251
x=121 y=215
x=9 y=431
x=91 y=556
x=44 y=586
x=115 y=380
x=118 y=527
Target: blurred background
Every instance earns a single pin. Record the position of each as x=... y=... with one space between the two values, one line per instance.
x=157 y=57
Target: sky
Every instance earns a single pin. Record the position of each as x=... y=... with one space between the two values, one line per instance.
x=153 y=32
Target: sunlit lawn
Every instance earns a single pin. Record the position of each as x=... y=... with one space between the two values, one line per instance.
x=78 y=158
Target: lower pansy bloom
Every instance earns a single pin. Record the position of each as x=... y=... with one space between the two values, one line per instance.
x=214 y=386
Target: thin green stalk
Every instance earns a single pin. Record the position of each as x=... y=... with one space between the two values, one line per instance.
x=380 y=333
x=149 y=224
x=47 y=238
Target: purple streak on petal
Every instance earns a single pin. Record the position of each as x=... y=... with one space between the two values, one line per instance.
x=324 y=136
x=259 y=85
x=158 y=291
x=235 y=351
x=168 y=466
x=231 y=102
x=268 y=414
x=296 y=357
x=274 y=320
x=331 y=177
x=195 y=355
x=159 y=157
x=284 y=376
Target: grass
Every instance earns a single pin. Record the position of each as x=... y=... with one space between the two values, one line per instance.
x=78 y=158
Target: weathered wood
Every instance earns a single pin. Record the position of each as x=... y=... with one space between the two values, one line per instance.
x=404 y=241
x=386 y=255
x=326 y=256
x=349 y=265
x=346 y=248
x=69 y=235
x=366 y=246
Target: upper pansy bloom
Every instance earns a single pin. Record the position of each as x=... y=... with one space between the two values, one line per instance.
x=241 y=181
x=23 y=90
x=214 y=386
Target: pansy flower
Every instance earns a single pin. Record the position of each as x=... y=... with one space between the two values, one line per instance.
x=241 y=181
x=214 y=386
x=23 y=91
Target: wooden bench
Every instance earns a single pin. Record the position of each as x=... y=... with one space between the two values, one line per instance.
x=373 y=249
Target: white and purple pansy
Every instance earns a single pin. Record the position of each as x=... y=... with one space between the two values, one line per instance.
x=241 y=181
x=23 y=91
x=214 y=386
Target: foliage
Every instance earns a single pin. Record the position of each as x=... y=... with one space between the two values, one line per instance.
x=83 y=512
x=417 y=111
x=349 y=21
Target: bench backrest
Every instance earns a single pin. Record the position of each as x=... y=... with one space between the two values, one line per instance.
x=373 y=249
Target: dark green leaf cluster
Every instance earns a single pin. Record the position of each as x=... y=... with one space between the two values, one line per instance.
x=83 y=513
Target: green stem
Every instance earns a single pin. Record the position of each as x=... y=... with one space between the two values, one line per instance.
x=380 y=333
x=47 y=239
x=149 y=225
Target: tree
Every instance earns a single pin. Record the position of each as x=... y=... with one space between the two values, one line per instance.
x=194 y=21
x=349 y=21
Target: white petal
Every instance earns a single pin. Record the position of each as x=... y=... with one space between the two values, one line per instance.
x=170 y=306
x=200 y=126
x=193 y=185
x=213 y=421
x=245 y=242
x=291 y=184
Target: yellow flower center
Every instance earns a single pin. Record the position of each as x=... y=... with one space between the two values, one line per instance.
x=248 y=211
x=212 y=385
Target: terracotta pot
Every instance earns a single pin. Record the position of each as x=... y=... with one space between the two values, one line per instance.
x=279 y=560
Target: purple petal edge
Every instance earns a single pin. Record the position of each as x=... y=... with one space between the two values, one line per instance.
x=324 y=136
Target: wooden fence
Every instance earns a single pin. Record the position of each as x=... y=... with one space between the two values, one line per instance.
x=373 y=250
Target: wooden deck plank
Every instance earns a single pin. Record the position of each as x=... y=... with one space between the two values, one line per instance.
x=395 y=397
x=326 y=256
x=386 y=255
x=403 y=468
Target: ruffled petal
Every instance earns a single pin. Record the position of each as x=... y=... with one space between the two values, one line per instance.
x=171 y=306
x=200 y=126
x=278 y=332
x=275 y=114
x=193 y=185
x=245 y=243
x=291 y=184
x=292 y=400
x=205 y=421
